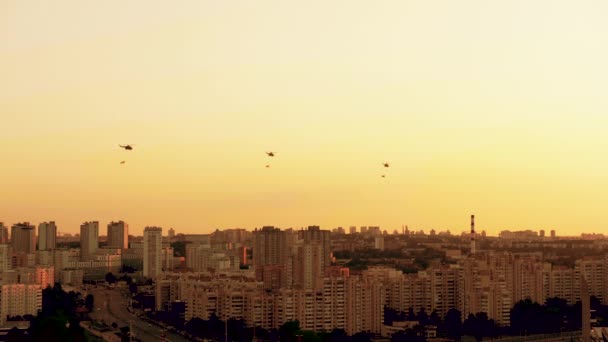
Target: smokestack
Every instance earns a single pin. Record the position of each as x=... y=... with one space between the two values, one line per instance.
x=472 y=224
x=473 y=242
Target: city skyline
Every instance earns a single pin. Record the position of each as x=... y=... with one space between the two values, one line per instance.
x=491 y=108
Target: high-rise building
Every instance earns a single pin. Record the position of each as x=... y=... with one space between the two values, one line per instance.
x=89 y=239
x=118 y=235
x=316 y=234
x=19 y=300
x=270 y=255
x=47 y=236
x=353 y=229
x=3 y=233
x=473 y=242
x=23 y=238
x=152 y=251
x=308 y=268
x=379 y=242
x=5 y=258
x=171 y=233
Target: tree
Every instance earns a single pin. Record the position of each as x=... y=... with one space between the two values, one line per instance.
x=288 y=330
x=338 y=335
x=127 y=279
x=127 y=269
x=422 y=317
x=453 y=324
x=58 y=320
x=133 y=288
x=179 y=248
x=411 y=316
x=480 y=326
x=434 y=319
x=362 y=337
x=525 y=316
x=110 y=278
x=89 y=302
x=14 y=335
x=125 y=334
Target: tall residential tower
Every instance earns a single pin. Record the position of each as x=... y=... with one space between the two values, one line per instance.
x=47 y=236
x=118 y=235
x=89 y=239
x=23 y=238
x=152 y=251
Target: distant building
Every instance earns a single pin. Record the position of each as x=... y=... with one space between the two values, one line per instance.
x=118 y=235
x=23 y=238
x=19 y=300
x=3 y=233
x=553 y=235
x=5 y=258
x=374 y=230
x=47 y=236
x=152 y=251
x=339 y=230
x=541 y=233
x=379 y=242
x=353 y=229
x=89 y=240
x=171 y=233
x=270 y=256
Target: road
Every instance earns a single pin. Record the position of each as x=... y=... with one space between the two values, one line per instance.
x=112 y=306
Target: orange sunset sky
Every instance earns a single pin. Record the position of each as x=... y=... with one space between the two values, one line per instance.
x=493 y=108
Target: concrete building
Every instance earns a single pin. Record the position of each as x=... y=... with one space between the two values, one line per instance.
x=202 y=258
x=19 y=300
x=71 y=277
x=3 y=234
x=308 y=268
x=488 y=285
x=379 y=242
x=23 y=238
x=47 y=236
x=89 y=240
x=152 y=251
x=5 y=258
x=314 y=234
x=118 y=235
x=593 y=270
x=271 y=252
x=562 y=284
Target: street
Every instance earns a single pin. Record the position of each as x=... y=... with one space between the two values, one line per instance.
x=111 y=306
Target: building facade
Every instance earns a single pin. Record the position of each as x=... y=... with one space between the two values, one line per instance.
x=152 y=251
x=118 y=235
x=89 y=240
x=23 y=238
x=47 y=236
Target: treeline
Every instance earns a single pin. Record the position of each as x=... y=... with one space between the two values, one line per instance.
x=526 y=318
x=214 y=329
x=421 y=258
x=59 y=319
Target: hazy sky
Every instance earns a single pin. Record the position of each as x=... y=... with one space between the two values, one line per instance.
x=493 y=108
